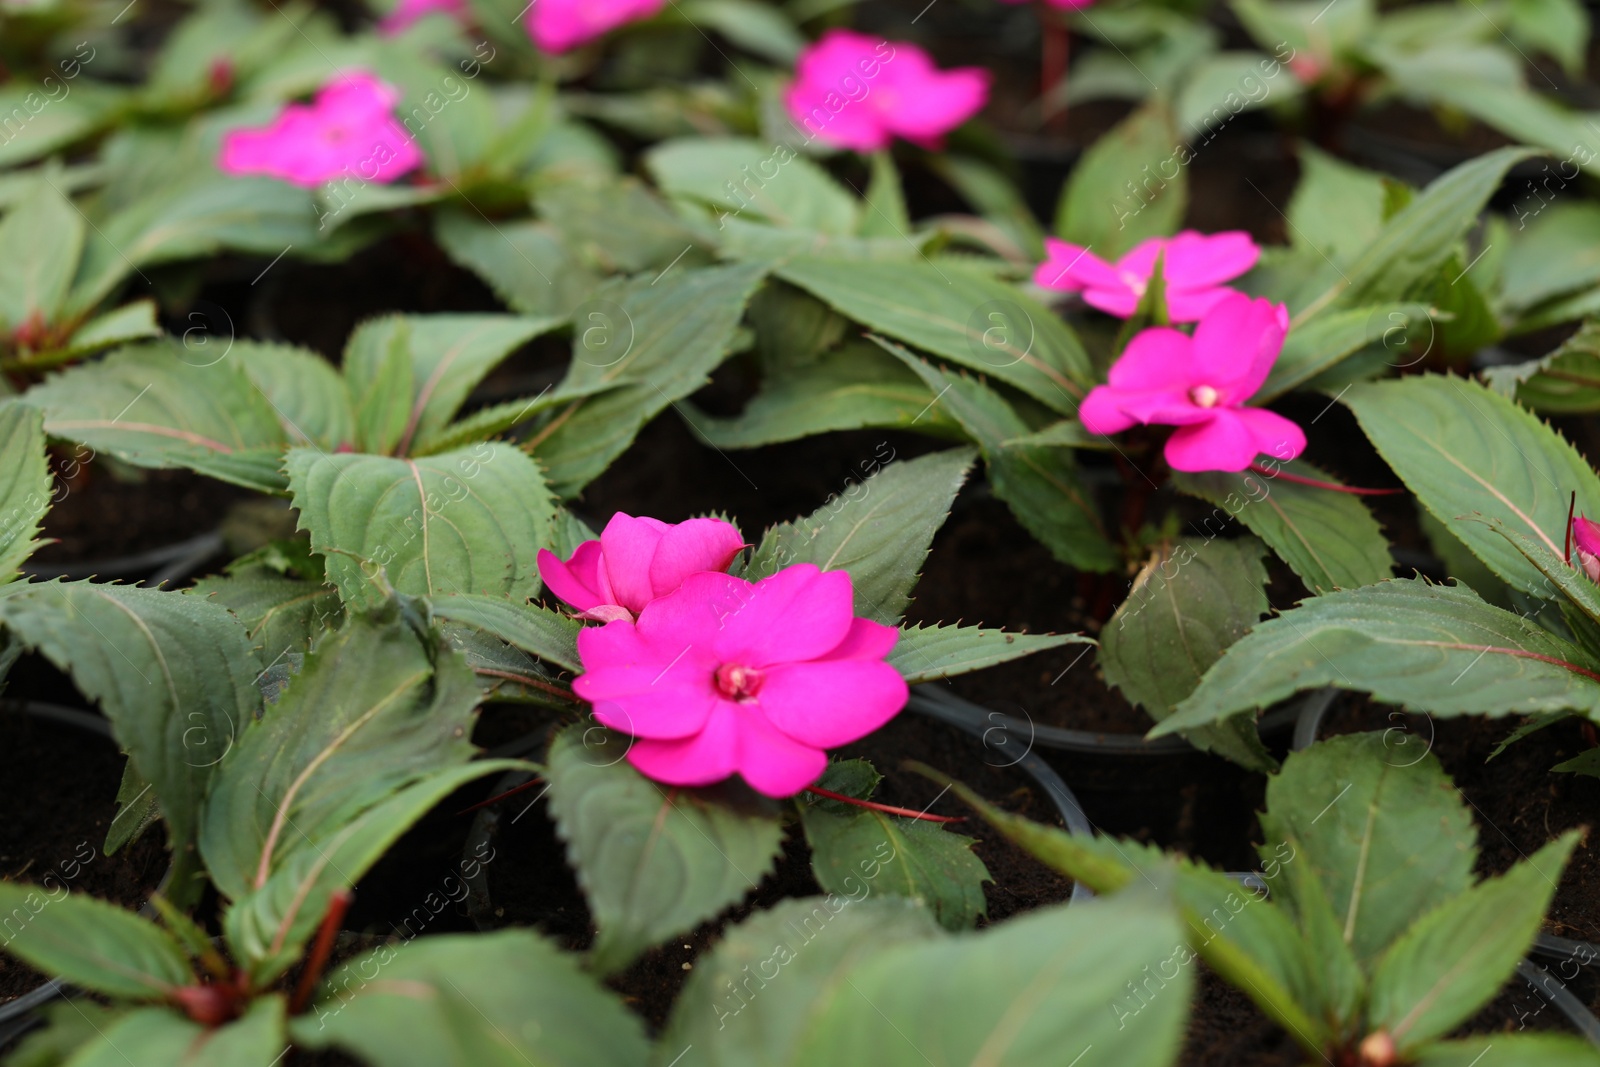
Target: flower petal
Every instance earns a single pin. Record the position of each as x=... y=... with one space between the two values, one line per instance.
x=832 y=702
x=629 y=547
x=566 y=580
x=1200 y=261
x=1232 y=440
x=696 y=615
x=1235 y=346
x=691 y=547
x=1156 y=359
x=708 y=756
x=865 y=640
x=1069 y=268
x=798 y=614
x=1275 y=436
x=938 y=102
x=1100 y=414
x=659 y=713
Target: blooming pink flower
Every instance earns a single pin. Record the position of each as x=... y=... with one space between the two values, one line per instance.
x=562 y=25
x=1199 y=384
x=408 y=13
x=1193 y=268
x=635 y=561
x=860 y=92
x=1586 y=539
x=349 y=129
x=727 y=676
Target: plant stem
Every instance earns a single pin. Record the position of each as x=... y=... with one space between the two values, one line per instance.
x=524 y=787
x=1053 y=66
x=321 y=949
x=1314 y=483
x=885 y=808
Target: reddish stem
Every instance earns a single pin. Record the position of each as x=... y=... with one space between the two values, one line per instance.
x=1298 y=480
x=321 y=949
x=1053 y=66
x=1518 y=653
x=885 y=808
x=508 y=793
x=1572 y=506
x=531 y=683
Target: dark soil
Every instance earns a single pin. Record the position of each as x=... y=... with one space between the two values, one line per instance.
x=99 y=515
x=61 y=788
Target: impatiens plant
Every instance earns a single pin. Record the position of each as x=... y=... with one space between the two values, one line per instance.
x=1194 y=268
x=1370 y=940
x=561 y=25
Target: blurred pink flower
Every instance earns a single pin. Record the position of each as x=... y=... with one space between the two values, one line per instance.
x=860 y=92
x=1193 y=269
x=635 y=561
x=1586 y=539
x=349 y=129
x=1199 y=384
x=562 y=25
x=730 y=677
x=408 y=13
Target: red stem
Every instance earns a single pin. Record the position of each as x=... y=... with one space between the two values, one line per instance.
x=1053 y=66
x=321 y=950
x=1516 y=652
x=508 y=793
x=1298 y=480
x=885 y=808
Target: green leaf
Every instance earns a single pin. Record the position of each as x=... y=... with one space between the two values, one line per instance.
x=125 y=325
x=550 y=636
x=852 y=388
x=1458 y=955
x=152 y=407
x=731 y=175
x=996 y=198
x=757 y=28
x=1469 y=454
x=188 y=220
x=1328 y=538
x=447 y=356
x=1422 y=236
x=41 y=239
x=1566 y=382
x=161 y=1035
x=174 y=674
x=1031 y=991
x=378 y=373
x=26 y=486
x=1216 y=90
x=526 y=262
x=505 y=999
x=469 y=521
x=885 y=214
x=928 y=653
x=371 y=731
x=658 y=341
x=1558 y=28
x=879 y=530
x=1253 y=947
x=1509 y=1050
x=306 y=392
x=977 y=322
x=91 y=943
x=1386 y=836
x=1039 y=483
x=652 y=862
x=1187 y=605
x=1432 y=648
x=855 y=850
x=1337 y=209
x=615 y=222
x=785 y=940
x=1332 y=337
x=282 y=614
x=1119 y=193
x=1553 y=254
x=36 y=125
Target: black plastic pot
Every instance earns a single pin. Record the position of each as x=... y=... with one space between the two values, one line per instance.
x=486 y=825
x=169 y=563
x=18 y=1016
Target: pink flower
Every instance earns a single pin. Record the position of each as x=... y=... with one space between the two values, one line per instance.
x=727 y=676
x=349 y=129
x=562 y=25
x=408 y=13
x=1586 y=539
x=1193 y=269
x=635 y=561
x=1199 y=384
x=860 y=92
